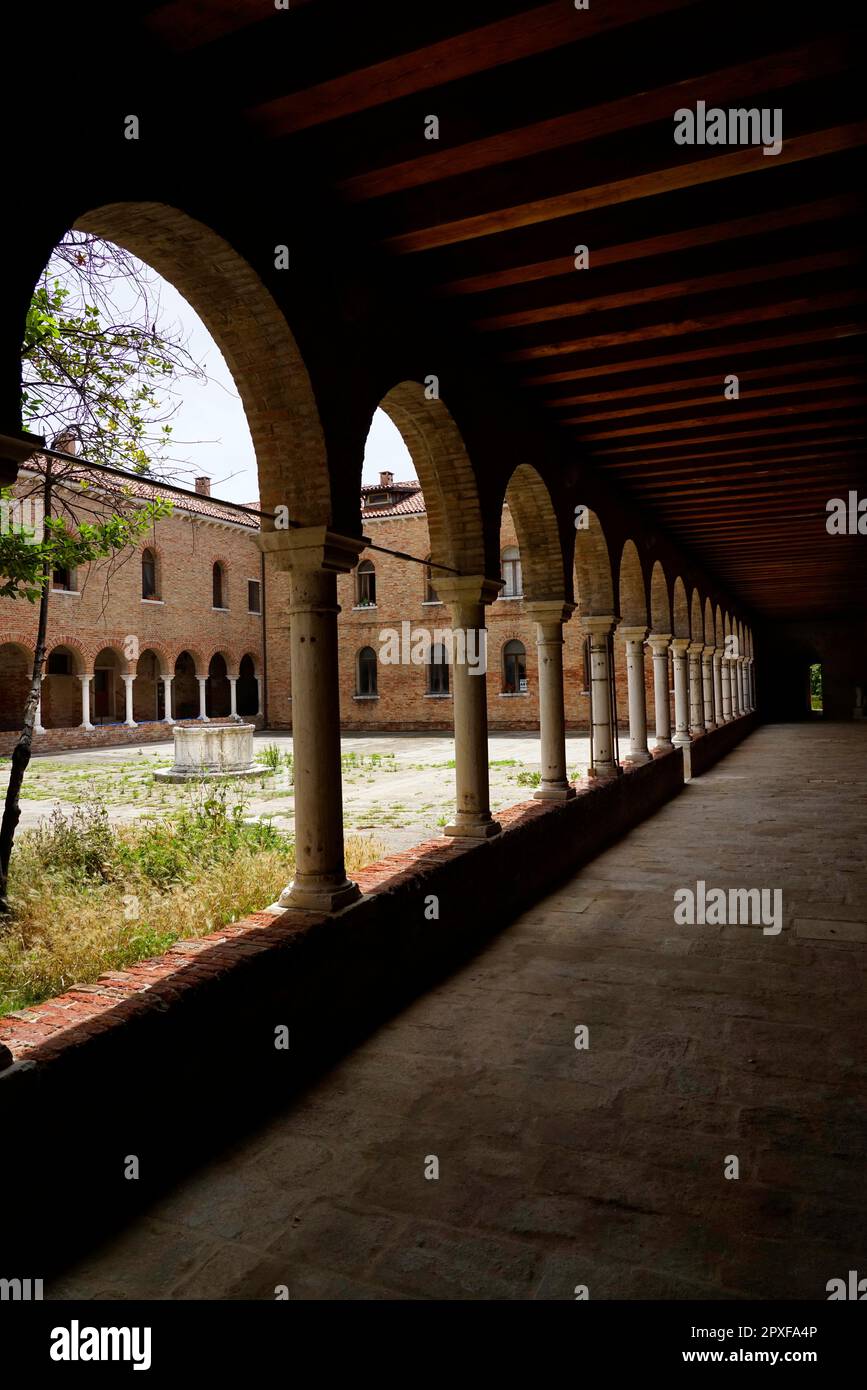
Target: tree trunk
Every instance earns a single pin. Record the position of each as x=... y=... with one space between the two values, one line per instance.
x=22 y=750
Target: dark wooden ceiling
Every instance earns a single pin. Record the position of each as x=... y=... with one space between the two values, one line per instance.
x=556 y=129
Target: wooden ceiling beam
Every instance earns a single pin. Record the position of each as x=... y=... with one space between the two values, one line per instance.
x=733 y=415
x=666 y=179
x=676 y=289
x=752 y=383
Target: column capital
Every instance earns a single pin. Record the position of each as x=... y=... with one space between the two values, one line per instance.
x=544 y=610
x=679 y=645
x=467 y=588
x=312 y=548
x=707 y=651
x=85 y=675
x=719 y=653
x=596 y=625
x=659 y=642
x=632 y=634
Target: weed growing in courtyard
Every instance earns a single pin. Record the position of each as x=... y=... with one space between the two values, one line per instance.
x=88 y=896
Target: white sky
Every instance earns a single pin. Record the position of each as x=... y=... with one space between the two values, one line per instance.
x=210 y=428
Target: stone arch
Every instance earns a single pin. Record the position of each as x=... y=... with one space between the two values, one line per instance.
x=595 y=586
x=696 y=618
x=631 y=591
x=107 y=692
x=217 y=690
x=532 y=509
x=680 y=609
x=61 y=689
x=148 y=692
x=166 y=661
x=660 y=604
x=446 y=475
x=253 y=336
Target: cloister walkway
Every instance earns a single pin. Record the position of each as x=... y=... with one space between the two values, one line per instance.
x=604 y=1166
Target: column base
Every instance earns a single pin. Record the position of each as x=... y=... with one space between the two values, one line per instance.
x=637 y=758
x=661 y=745
x=555 y=791
x=681 y=741
x=604 y=774
x=38 y=729
x=130 y=724
x=473 y=829
x=88 y=728
x=310 y=897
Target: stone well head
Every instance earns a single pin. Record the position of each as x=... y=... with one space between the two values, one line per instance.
x=212 y=750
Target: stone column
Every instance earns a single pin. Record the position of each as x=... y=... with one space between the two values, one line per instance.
x=725 y=672
x=707 y=686
x=602 y=714
x=659 y=645
x=752 y=674
x=233 y=697
x=85 y=701
x=203 y=699
x=127 y=684
x=167 y=687
x=549 y=617
x=37 y=719
x=313 y=557
x=733 y=677
x=679 y=647
x=696 y=695
x=466 y=597
x=718 y=715
x=258 y=694
x=742 y=684
x=634 y=639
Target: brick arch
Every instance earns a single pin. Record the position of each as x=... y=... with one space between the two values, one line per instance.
x=532 y=510
x=660 y=605
x=83 y=653
x=708 y=623
x=253 y=336
x=632 y=595
x=167 y=663
x=719 y=631
x=680 y=609
x=231 y=659
x=595 y=587
x=446 y=475
x=255 y=660
x=696 y=618
x=11 y=637
x=197 y=655
x=114 y=645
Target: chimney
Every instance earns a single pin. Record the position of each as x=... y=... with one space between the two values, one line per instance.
x=203 y=487
x=386 y=480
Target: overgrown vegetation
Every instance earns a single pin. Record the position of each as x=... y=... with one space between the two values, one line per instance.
x=88 y=896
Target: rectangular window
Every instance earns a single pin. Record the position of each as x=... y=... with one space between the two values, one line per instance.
x=254 y=601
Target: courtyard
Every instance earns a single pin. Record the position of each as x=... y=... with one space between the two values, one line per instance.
x=396 y=787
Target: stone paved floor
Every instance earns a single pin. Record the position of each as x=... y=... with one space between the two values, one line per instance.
x=602 y=1167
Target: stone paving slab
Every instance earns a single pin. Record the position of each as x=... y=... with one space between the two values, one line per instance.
x=603 y=1166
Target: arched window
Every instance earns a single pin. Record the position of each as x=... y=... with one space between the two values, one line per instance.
x=514 y=587
x=365 y=585
x=219 y=586
x=365 y=679
x=430 y=593
x=514 y=668
x=438 y=671
x=148 y=574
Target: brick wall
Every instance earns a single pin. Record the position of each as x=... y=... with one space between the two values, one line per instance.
x=94 y=625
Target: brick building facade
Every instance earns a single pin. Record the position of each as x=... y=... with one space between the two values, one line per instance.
x=197 y=604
